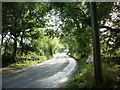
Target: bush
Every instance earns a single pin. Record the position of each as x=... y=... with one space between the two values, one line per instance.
x=7 y=59
x=48 y=56
x=27 y=60
x=110 y=74
x=85 y=77
x=43 y=58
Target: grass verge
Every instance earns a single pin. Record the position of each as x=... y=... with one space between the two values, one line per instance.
x=85 y=76
x=13 y=67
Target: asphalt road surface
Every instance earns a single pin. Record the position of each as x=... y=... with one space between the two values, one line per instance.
x=54 y=73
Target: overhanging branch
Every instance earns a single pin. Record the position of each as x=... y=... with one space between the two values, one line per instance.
x=111 y=29
x=85 y=19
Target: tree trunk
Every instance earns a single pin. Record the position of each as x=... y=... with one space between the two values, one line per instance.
x=6 y=46
x=15 y=47
x=96 y=44
x=2 y=40
x=51 y=52
x=21 y=44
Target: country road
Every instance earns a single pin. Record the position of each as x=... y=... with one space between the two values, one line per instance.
x=53 y=73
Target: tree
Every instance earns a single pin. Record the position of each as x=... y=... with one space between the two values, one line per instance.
x=77 y=22
x=20 y=18
x=110 y=34
x=96 y=44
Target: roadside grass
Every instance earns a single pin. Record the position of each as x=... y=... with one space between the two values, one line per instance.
x=85 y=76
x=83 y=79
x=30 y=60
x=26 y=60
x=24 y=64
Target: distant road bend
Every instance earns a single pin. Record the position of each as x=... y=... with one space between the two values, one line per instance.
x=54 y=73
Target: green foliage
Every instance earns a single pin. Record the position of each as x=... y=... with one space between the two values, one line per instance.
x=76 y=26
x=85 y=77
x=7 y=59
x=22 y=64
x=75 y=32
x=110 y=39
x=104 y=13
x=31 y=59
x=43 y=58
x=28 y=31
x=27 y=34
x=24 y=32
x=19 y=21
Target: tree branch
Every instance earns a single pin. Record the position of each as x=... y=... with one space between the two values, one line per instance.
x=111 y=29
x=89 y=23
x=85 y=19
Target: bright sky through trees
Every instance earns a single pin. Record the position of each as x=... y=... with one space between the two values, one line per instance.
x=54 y=22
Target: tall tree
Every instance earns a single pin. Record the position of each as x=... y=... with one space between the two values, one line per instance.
x=19 y=18
x=96 y=44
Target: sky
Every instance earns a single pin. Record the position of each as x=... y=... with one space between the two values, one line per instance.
x=54 y=21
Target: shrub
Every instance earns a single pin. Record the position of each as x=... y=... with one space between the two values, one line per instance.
x=43 y=58
x=85 y=77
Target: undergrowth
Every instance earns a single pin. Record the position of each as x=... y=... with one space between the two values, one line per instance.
x=85 y=76
x=27 y=60
x=24 y=64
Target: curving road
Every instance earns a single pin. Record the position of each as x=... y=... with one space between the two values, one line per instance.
x=54 y=73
